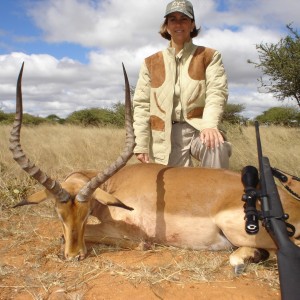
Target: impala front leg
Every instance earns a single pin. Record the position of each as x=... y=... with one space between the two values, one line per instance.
x=243 y=255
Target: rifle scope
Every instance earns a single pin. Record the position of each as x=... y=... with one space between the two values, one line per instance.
x=250 y=181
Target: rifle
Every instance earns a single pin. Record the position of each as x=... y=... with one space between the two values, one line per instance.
x=273 y=219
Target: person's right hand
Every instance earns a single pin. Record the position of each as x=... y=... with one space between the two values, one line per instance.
x=211 y=137
x=143 y=157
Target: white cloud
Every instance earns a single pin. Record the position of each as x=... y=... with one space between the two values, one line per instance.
x=60 y=86
x=110 y=24
x=127 y=31
x=264 y=14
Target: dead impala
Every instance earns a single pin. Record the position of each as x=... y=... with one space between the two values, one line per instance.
x=195 y=208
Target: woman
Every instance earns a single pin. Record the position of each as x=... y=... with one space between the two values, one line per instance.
x=180 y=97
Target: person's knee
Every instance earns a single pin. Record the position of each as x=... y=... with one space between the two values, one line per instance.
x=215 y=158
x=223 y=155
x=226 y=149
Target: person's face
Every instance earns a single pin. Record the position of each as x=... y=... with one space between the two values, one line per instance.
x=179 y=26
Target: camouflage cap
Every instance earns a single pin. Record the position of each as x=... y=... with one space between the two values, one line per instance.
x=182 y=6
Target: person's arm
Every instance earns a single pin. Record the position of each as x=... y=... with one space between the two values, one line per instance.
x=141 y=115
x=216 y=98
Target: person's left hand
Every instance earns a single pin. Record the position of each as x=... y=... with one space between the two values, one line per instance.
x=211 y=137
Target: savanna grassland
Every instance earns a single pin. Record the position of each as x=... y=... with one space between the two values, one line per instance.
x=31 y=265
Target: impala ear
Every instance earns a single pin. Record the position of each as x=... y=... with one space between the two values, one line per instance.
x=36 y=198
x=108 y=199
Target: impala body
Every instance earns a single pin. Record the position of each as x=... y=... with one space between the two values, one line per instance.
x=194 y=208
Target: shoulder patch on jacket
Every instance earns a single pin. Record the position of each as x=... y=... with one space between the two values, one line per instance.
x=156 y=67
x=201 y=59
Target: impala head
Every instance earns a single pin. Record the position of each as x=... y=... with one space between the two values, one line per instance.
x=74 y=198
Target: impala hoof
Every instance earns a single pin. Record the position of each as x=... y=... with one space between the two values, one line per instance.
x=239 y=269
x=75 y=258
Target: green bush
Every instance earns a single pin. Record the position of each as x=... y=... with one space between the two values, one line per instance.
x=55 y=119
x=286 y=116
x=98 y=116
x=232 y=113
x=8 y=119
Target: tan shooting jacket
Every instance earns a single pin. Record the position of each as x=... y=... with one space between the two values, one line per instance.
x=204 y=93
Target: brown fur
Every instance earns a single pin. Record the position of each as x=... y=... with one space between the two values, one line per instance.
x=196 y=208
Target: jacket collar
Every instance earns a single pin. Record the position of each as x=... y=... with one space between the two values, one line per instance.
x=187 y=50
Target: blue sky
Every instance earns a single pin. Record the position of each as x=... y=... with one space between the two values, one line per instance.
x=222 y=5
x=20 y=33
x=73 y=49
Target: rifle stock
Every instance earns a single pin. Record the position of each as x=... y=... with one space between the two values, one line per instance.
x=289 y=271
x=274 y=220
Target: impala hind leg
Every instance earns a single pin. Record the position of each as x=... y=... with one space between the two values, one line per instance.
x=243 y=255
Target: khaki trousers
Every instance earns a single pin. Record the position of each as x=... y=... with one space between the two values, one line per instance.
x=186 y=144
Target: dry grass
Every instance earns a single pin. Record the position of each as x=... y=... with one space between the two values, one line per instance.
x=59 y=150
x=280 y=144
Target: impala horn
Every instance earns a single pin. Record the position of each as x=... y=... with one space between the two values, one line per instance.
x=19 y=156
x=86 y=192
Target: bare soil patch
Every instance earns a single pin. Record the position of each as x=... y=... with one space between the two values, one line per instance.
x=32 y=267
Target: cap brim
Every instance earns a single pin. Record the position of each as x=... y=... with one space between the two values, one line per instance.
x=183 y=12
